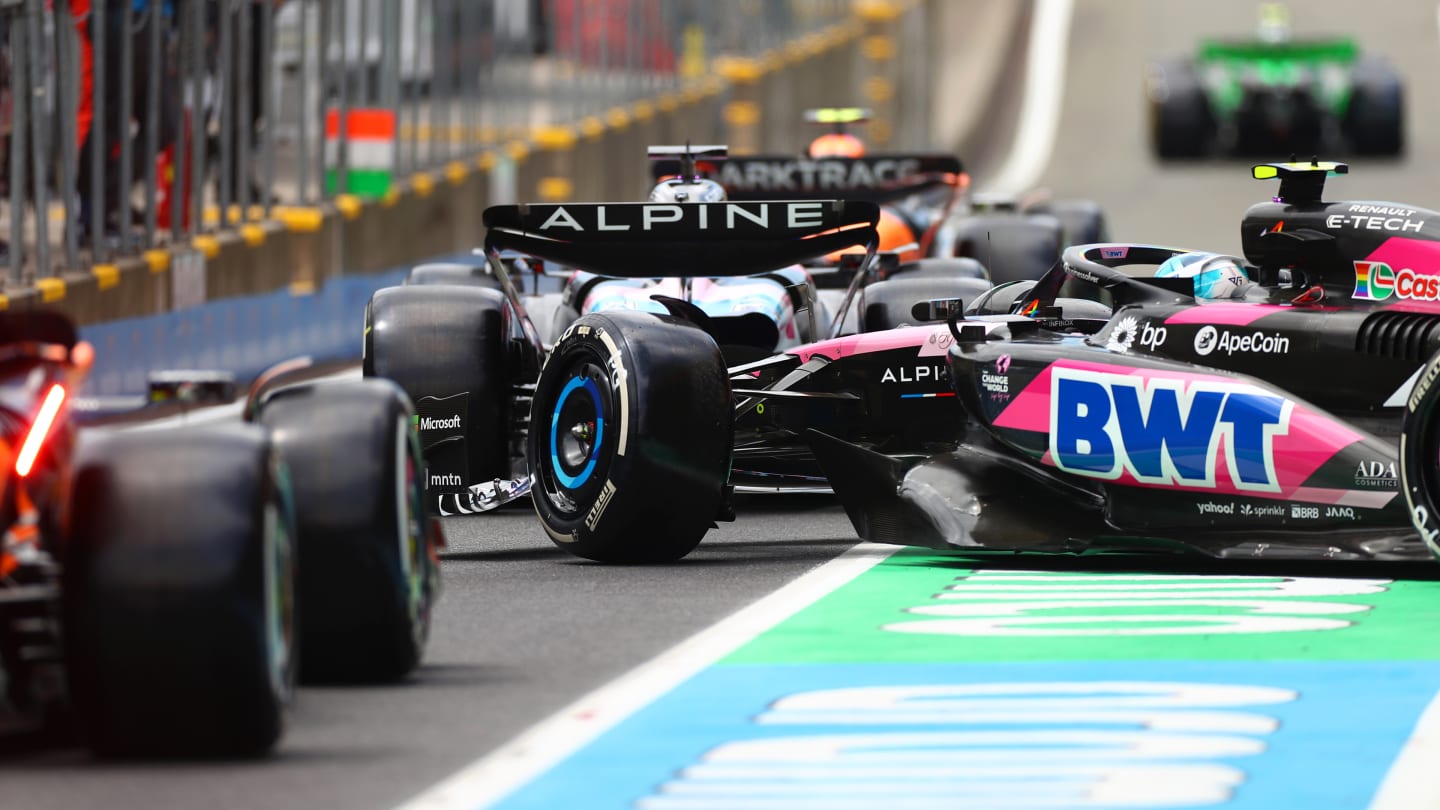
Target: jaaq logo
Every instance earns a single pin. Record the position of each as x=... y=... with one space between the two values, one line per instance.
x=1165 y=431
x=1377 y=281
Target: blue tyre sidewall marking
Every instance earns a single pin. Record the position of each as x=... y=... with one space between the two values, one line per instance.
x=578 y=480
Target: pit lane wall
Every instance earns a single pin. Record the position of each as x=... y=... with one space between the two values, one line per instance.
x=245 y=297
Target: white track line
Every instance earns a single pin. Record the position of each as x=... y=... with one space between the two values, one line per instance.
x=497 y=775
x=1044 y=92
x=1411 y=781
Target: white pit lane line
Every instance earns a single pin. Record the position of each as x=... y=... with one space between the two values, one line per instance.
x=1411 y=782
x=534 y=752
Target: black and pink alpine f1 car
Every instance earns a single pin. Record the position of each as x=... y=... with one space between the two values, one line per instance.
x=1291 y=417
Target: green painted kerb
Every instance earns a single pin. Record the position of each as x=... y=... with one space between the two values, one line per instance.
x=919 y=607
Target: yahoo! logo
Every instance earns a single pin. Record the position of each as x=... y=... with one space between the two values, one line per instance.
x=1165 y=431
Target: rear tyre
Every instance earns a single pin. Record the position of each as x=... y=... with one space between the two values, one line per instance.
x=178 y=586
x=1010 y=247
x=447 y=346
x=464 y=275
x=1181 y=124
x=888 y=304
x=1082 y=222
x=942 y=267
x=1375 y=118
x=358 y=479
x=1420 y=454
x=630 y=438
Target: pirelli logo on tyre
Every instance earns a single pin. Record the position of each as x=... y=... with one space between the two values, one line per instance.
x=1422 y=385
x=592 y=518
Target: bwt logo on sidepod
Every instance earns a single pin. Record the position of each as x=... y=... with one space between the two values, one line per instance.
x=1164 y=431
x=1377 y=281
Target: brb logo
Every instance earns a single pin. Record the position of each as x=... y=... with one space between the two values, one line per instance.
x=1377 y=281
x=1168 y=432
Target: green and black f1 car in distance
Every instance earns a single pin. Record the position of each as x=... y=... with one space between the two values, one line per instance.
x=1275 y=94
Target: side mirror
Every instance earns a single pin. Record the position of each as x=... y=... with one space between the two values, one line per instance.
x=939 y=309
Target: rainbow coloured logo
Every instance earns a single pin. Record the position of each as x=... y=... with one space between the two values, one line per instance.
x=1374 y=281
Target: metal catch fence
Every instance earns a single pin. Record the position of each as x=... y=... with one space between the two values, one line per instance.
x=130 y=125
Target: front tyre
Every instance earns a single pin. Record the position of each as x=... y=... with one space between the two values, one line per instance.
x=630 y=438
x=1420 y=454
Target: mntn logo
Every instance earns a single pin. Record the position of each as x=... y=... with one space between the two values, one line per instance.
x=1164 y=431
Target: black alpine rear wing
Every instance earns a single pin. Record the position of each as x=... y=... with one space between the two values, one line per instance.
x=646 y=240
x=877 y=178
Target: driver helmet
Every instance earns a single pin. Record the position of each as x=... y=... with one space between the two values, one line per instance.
x=1216 y=275
x=837 y=144
x=679 y=190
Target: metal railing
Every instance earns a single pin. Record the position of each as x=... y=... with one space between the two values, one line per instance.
x=137 y=124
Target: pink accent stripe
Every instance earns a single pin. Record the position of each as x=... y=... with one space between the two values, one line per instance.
x=930 y=341
x=1344 y=497
x=1224 y=313
x=1420 y=255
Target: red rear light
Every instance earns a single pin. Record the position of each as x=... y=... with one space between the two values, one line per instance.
x=39 y=429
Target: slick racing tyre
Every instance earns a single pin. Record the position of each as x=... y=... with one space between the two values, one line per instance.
x=178 y=592
x=630 y=438
x=447 y=348
x=942 y=267
x=888 y=304
x=1181 y=124
x=1082 y=222
x=1010 y=246
x=465 y=275
x=1420 y=454
x=369 y=579
x=1375 y=119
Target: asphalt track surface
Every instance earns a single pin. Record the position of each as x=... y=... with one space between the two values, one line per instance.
x=523 y=629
